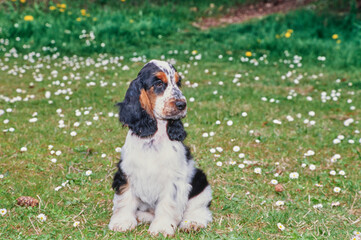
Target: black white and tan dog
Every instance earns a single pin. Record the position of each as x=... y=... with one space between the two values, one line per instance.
x=156 y=180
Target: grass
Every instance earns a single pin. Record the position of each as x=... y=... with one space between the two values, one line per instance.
x=244 y=202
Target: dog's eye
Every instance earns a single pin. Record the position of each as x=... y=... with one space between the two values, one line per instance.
x=159 y=83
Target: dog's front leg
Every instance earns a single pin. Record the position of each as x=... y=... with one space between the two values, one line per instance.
x=125 y=206
x=169 y=211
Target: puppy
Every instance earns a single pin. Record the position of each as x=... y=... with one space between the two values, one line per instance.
x=156 y=181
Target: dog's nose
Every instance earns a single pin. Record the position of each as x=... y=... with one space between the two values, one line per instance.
x=181 y=105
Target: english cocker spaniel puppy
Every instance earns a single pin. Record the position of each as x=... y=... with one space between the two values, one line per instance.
x=156 y=180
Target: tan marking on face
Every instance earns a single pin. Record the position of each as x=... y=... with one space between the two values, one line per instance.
x=147 y=100
x=176 y=77
x=162 y=76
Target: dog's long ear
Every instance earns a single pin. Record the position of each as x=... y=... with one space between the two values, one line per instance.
x=133 y=115
x=176 y=130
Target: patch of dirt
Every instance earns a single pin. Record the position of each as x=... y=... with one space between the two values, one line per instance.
x=244 y=13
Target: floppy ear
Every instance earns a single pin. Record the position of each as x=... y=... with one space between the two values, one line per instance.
x=176 y=130
x=133 y=115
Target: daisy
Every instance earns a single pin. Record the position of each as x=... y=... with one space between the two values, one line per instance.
x=229 y=122
x=219 y=164
x=337 y=189
x=280 y=203
x=241 y=165
x=3 y=211
x=76 y=223
x=236 y=148
x=23 y=149
x=88 y=173
x=274 y=182
x=118 y=149
x=280 y=226
x=294 y=175
x=258 y=170
x=312 y=167
x=42 y=217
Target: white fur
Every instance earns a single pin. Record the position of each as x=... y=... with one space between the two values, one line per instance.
x=159 y=179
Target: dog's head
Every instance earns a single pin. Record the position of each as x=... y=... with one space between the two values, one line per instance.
x=154 y=94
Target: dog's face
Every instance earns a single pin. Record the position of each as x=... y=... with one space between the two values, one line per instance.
x=154 y=95
x=160 y=95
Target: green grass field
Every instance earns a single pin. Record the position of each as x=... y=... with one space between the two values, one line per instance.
x=293 y=106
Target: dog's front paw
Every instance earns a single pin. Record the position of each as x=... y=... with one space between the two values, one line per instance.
x=189 y=226
x=122 y=225
x=164 y=227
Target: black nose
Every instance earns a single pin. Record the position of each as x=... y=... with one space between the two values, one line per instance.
x=181 y=105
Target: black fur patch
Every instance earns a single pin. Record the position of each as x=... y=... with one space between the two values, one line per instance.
x=199 y=183
x=176 y=130
x=188 y=153
x=133 y=115
x=119 y=179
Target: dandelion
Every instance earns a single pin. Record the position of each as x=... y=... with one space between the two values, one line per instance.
x=78 y=19
x=258 y=170
x=52 y=8
x=335 y=36
x=42 y=217
x=280 y=226
x=287 y=35
x=294 y=175
x=337 y=189
x=248 y=54
x=23 y=1
x=76 y=223
x=3 y=211
x=29 y=18
x=83 y=12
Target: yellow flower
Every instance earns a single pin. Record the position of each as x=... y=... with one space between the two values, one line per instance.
x=278 y=36
x=122 y=0
x=83 y=12
x=287 y=34
x=61 y=10
x=248 y=54
x=78 y=19
x=28 y=18
x=95 y=19
x=52 y=8
x=63 y=5
x=88 y=14
x=131 y=20
x=338 y=41
x=23 y=1
x=334 y=36
x=290 y=30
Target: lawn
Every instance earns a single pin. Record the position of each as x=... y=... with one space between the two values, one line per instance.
x=271 y=101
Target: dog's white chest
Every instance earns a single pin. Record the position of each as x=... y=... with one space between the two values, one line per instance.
x=153 y=165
